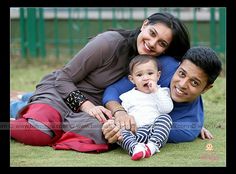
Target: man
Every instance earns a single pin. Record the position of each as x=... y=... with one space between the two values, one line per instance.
x=194 y=76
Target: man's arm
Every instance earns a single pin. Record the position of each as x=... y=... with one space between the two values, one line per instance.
x=205 y=134
x=111 y=128
x=113 y=91
x=181 y=135
x=121 y=118
x=112 y=102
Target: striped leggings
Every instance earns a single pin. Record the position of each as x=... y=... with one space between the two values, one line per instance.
x=156 y=133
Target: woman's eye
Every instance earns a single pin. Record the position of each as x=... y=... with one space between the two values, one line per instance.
x=152 y=33
x=163 y=44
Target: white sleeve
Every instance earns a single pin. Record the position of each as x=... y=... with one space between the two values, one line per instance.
x=163 y=100
x=125 y=98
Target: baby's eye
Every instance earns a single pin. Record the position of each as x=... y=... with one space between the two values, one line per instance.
x=139 y=75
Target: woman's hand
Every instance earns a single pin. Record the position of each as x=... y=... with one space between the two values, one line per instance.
x=99 y=112
x=206 y=134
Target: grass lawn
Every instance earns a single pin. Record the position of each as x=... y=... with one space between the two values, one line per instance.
x=183 y=154
x=198 y=153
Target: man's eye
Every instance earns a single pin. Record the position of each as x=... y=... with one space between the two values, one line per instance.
x=194 y=83
x=181 y=73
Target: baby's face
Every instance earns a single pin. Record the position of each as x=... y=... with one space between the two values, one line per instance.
x=145 y=74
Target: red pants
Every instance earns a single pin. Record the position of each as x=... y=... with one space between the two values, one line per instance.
x=25 y=133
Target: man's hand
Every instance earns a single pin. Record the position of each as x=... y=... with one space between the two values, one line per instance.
x=206 y=134
x=111 y=132
x=111 y=128
x=123 y=120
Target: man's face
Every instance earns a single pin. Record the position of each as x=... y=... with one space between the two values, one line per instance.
x=188 y=82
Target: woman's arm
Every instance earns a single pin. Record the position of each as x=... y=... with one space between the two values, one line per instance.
x=88 y=59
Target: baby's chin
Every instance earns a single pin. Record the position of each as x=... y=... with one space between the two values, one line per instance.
x=147 y=91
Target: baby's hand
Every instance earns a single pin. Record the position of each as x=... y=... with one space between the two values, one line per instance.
x=152 y=86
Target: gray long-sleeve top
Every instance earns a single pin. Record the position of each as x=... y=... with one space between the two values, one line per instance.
x=99 y=64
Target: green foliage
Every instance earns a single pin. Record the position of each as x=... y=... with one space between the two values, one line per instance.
x=215 y=105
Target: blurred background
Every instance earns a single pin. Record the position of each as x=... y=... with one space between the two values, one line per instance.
x=61 y=32
x=44 y=39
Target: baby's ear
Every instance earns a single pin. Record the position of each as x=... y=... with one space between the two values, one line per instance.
x=131 y=78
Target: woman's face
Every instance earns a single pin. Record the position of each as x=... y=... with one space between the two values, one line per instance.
x=153 y=39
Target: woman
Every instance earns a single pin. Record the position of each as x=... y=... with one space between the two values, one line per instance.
x=65 y=110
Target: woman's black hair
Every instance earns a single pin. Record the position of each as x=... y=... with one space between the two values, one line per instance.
x=180 y=42
x=131 y=40
x=178 y=46
x=131 y=37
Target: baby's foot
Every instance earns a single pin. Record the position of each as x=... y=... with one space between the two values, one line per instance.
x=151 y=149
x=139 y=151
